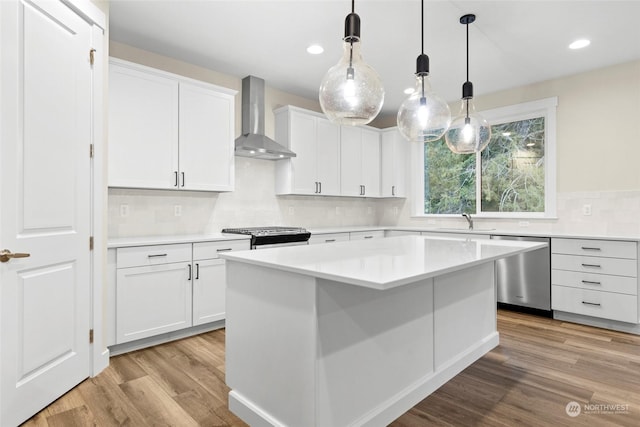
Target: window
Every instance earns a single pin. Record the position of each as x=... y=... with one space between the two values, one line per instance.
x=513 y=177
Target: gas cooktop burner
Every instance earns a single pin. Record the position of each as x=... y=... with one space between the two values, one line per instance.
x=271 y=235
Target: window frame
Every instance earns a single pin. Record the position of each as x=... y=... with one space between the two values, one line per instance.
x=540 y=108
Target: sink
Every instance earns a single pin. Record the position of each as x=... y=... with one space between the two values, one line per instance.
x=464 y=229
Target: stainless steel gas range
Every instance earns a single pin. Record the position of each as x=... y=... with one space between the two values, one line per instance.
x=276 y=236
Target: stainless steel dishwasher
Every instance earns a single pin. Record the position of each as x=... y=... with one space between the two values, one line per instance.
x=525 y=280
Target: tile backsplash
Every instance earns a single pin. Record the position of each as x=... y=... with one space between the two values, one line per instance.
x=253 y=203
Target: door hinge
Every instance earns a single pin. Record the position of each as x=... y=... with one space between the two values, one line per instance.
x=91 y=243
x=90 y=336
x=92 y=56
x=91 y=150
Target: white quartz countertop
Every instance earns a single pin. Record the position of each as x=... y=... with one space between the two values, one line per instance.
x=124 y=242
x=383 y=263
x=479 y=229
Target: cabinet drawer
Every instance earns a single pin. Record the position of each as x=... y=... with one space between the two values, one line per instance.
x=606 y=305
x=600 y=248
x=140 y=256
x=328 y=238
x=364 y=235
x=211 y=250
x=598 y=282
x=599 y=265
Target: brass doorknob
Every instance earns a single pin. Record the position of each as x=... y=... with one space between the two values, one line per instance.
x=6 y=255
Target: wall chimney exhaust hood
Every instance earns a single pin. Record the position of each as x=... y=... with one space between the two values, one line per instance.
x=253 y=142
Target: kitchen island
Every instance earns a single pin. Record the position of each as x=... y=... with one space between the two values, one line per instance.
x=356 y=333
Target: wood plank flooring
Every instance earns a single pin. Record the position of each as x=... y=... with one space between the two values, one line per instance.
x=539 y=367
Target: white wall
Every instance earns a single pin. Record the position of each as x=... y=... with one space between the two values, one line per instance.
x=598 y=153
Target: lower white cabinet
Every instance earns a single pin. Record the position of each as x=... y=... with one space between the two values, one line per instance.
x=152 y=300
x=365 y=235
x=165 y=288
x=328 y=238
x=596 y=278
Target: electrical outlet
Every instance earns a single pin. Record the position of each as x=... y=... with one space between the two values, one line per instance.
x=586 y=210
x=177 y=210
x=124 y=210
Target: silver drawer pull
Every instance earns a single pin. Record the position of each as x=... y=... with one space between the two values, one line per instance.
x=368 y=237
x=224 y=250
x=156 y=255
x=591 y=265
x=589 y=282
x=597 y=304
x=587 y=248
x=330 y=240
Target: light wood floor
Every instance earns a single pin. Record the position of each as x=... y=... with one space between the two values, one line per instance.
x=539 y=367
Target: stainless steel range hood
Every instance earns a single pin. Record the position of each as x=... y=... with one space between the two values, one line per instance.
x=253 y=142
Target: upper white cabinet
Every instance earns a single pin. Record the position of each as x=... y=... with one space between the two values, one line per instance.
x=360 y=162
x=168 y=131
x=316 y=142
x=394 y=163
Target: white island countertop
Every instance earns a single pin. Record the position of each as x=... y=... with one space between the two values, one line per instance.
x=384 y=263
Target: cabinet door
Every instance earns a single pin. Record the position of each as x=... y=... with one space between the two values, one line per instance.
x=393 y=161
x=351 y=161
x=328 y=157
x=143 y=129
x=303 y=143
x=371 y=163
x=209 y=287
x=152 y=300
x=206 y=139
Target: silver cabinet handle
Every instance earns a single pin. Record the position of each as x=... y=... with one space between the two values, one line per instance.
x=589 y=282
x=364 y=190
x=189 y=265
x=330 y=240
x=320 y=187
x=175 y=174
x=182 y=179
x=223 y=250
x=393 y=190
x=587 y=248
x=591 y=303
x=591 y=265
x=316 y=187
x=197 y=271
x=156 y=255
x=368 y=237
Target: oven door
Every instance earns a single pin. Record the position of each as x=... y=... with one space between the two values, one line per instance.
x=279 y=245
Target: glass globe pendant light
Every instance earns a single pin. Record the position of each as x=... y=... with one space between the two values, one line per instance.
x=424 y=116
x=469 y=131
x=351 y=92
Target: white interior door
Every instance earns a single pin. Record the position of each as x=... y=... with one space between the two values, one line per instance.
x=45 y=118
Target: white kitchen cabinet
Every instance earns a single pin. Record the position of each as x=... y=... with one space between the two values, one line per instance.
x=168 y=132
x=154 y=296
x=328 y=238
x=210 y=280
x=366 y=235
x=316 y=142
x=596 y=278
x=460 y=235
x=360 y=161
x=393 y=163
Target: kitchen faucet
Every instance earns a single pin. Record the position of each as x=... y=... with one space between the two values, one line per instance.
x=469 y=220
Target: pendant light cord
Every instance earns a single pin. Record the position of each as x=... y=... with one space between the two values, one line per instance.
x=422 y=25
x=466 y=101
x=353 y=6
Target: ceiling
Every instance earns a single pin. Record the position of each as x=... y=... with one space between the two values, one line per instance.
x=512 y=43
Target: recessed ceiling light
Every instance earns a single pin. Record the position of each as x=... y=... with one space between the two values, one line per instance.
x=579 y=44
x=315 y=49
x=408 y=90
